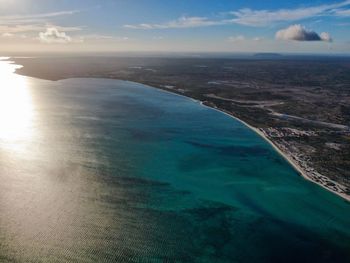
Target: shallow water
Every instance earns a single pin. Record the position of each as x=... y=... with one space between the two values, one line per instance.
x=97 y=170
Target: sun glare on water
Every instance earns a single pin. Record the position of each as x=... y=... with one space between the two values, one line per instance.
x=16 y=108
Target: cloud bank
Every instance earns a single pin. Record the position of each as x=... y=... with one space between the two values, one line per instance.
x=33 y=18
x=300 y=33
x=182 y=22
x=342 y=12
x=52 y=35
x=254 y=18
x=257 y=18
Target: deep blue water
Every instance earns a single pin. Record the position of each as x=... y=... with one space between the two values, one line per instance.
x=109 y=170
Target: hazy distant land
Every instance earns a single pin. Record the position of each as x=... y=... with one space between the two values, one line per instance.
x=302 y=105
x=267 y=55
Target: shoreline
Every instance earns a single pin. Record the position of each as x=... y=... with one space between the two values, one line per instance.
x=285 y=155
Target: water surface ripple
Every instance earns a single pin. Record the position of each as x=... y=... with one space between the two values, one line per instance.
x=109 y=171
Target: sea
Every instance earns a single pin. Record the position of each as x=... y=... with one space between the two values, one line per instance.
x=100 y=170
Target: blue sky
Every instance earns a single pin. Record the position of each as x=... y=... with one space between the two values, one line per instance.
x=182 y=25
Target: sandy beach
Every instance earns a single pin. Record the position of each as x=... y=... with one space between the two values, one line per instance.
x=288 y=157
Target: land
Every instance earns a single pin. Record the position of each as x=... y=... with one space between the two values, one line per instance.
x=299 y=104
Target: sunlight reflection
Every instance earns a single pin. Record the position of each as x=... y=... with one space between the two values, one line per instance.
x=16 y=108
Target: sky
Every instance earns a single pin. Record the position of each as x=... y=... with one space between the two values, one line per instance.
x=318 y=26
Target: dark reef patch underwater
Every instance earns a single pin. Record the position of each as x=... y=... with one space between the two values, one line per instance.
x=116 y=171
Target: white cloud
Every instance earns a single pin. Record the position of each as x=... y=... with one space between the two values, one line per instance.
x=7 y=35
x=33 y=18
x=236 y=38
x=32 y=24
x=342 y=12
x=21 y=28
x=325 y=36
x=13 y=36
x=52 y=35
x=35 y=28
x=251 y=17
x=182 y=22
x=241 y=38
x=300 y=33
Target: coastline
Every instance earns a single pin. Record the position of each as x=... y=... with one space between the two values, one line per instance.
x=283 y=154
x=286 y=155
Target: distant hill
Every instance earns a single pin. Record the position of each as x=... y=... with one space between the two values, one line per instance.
x=267 y=55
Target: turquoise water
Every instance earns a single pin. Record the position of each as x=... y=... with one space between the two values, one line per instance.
x=104 y=170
